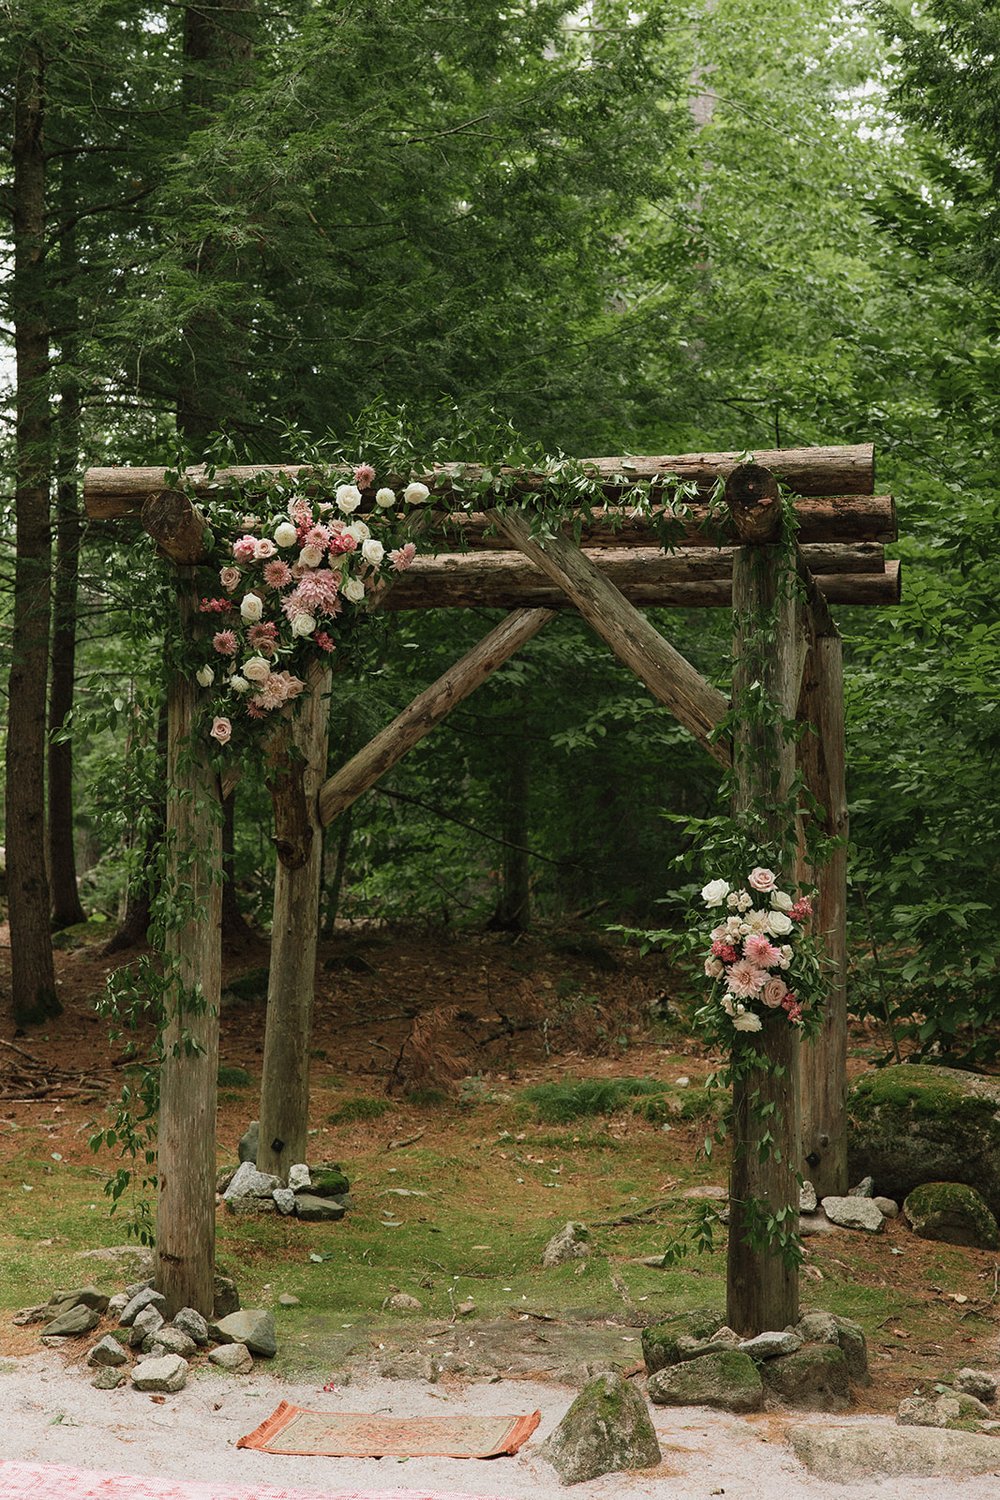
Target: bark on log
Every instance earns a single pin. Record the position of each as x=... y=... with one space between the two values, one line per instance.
x=846 y=470
x=671 y=679
x=185 y=1218
x=284 y=1096
x=762 y=1288
x=646 y=576
x=821 y=760
x=427 y=711
x=179 y=530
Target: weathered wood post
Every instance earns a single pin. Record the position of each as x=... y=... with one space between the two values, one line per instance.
x=821 y=759
x=186 y=1165
x=762 y=1287
x=298 y=753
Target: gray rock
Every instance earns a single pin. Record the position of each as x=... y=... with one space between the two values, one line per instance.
x=254 y=1326
x=107 y=1351
x=286 y=1299
x=815 y=1224
x=135 y=1287
x=117 y=1305
x=807 y=1198
x=888 y=1207
x=317 y=1210
x=945 y=1410
x=250 y=1143
x=37 y=1314
x=138 y=1301
x=403 y=1302
x=851 y=1338
x=166 y=1372
x=872 y=1451
x=814 y=1378
x=169 y=1340
x=249 y=1183
x=80 y=1296
x=818 y=1328
x=771 y=1345
x=236 y=1358
x=952 y=1212
x=247 y=1204
x=571 y=1243
x=853 y=1213
x=916 y=1123
x=864 y=1189
x=108 y=1379
x=726 y=1380
x=607 y=1430
x=661 y=1341
x=284 y=1200
x=148 y=1321
x=298 y=1177
x=979 y=1383
x=74 y=1321
x=191 y=1322
x=227 y=1298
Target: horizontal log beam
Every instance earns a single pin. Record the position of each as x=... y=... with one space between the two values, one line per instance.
x=806 y=471
x=427 y=711
x=671 y=679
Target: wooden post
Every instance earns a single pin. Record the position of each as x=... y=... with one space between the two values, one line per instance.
x=762 y=1288
x=821 y=756
x=185 y=1217
x=299 y=752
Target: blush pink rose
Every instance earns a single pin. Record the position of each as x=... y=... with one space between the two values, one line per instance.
x=221 y=730
x=245 y=549
x=230 y=577
x=774 y=992
x=263 y=549
x=763 y=880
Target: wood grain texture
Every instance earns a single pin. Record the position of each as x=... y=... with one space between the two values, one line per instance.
x=177 y=527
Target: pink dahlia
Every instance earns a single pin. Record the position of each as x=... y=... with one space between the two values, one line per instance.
x=364 y=475
x=402 y=557
x=745 y=980
x=317 y=536
x=759 y=951
x=277 y=574
x=225 y=642
x=314 y=594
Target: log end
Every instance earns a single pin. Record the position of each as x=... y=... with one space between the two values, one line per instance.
x=754 y=503
x=181 y=532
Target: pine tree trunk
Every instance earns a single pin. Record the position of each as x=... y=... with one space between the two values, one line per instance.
x=135 y=923
x=513 y=910
x=32 y=969
x=66 y=905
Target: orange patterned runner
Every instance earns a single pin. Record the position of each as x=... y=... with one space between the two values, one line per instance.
x=292 y=1429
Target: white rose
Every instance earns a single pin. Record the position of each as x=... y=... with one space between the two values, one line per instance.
x=257 y=669
x=303 y=625
x=311 y=557
x=372 y=552
x=252 y=608
x=205 y=676
x=781 y=901
x=778 y=924
x=285 y=534
x=747 y=1021
x=359 y=531
x=416 y=493
x=239 y=684
x=732 y=901
x=353 y=590
x=348 y=498
x=385 y=498
x=715 y=892
x=744 y=902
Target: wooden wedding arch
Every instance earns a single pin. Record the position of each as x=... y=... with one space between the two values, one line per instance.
x=614 y=570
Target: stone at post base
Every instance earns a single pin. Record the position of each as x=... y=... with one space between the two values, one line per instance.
x=660 y=1341
x=727 y=1381
x=607 y=1430
x=815 y=1378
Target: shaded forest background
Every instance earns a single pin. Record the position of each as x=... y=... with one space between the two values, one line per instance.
x=254 y=232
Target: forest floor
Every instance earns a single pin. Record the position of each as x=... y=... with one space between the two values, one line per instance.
x=474 y=1089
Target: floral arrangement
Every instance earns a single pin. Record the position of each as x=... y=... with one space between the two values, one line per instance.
x=289 y=581
x=760 y=958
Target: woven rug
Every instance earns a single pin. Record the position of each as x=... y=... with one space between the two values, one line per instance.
x=292 y=1429
x=31 y=1481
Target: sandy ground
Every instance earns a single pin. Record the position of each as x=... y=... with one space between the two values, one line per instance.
x=52 y=1414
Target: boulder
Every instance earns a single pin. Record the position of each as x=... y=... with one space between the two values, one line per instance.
x=249 y=1183
x=328 y=1182
x=108 y=1379
x=726 y=1380
x=864 y=1189
x=298 y=1177
x=814 y=1378
x=80 y=1296
x=253 y=1326
x=887 y=1207
x=107 y=1352
x=403 y=1302
x=979 y=1383
x=227 y=1298
x=284 y=1200
x=165 y=1372
x=953 y=1409
x=952 y=1212
x=869 y=1451
x=138 y=1301
x=807 y=1198
x=169 y=1340
x=853 y=1213
x=236 y=1358
x=149 y=1320
x=74 y=1321
x=250 y=1143
x=771 y=1345
x=661 y=1341
x=917 y=1123
x=824 y=1328
x=692 y=1348
x=571 y=1243
x=316 y=1210
x=191 y=1322
x=607 y=1430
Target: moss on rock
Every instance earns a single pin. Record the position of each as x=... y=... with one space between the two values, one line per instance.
x=814 y=1378
x=606 y=1430
x=952 y=1212
x=727 y=1380
x=660 y=1340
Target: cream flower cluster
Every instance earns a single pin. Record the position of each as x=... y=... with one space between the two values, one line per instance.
x=749 y=956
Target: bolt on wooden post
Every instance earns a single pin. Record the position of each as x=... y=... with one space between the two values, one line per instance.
x=761 y=1284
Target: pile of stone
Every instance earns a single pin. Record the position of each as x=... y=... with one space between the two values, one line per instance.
x=316 y=1194
x=858 y=1209
x=155 y=1353
x=962 y=1405
x=693 y=1359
